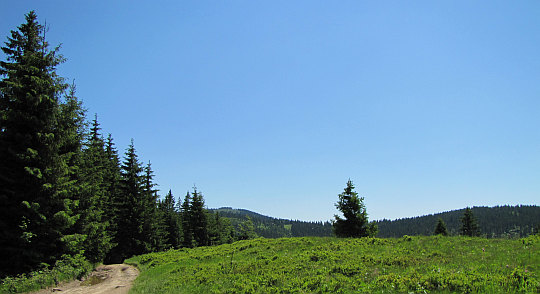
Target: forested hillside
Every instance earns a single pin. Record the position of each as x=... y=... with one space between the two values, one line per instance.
x=494 y=222
x=67 y=197
x=270 y=227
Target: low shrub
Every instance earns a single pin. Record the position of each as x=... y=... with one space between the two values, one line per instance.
x=65 y=269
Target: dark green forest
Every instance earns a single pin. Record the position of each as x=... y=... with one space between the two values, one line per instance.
x=67 y=195
x=493 y=222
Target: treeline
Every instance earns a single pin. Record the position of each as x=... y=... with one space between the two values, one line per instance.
x=493 y=222
x=65 y=193
x=269 y=227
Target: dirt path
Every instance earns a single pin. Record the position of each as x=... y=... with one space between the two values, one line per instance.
x=113 y=279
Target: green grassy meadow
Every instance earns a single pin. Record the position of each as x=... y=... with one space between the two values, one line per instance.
x=331 y=265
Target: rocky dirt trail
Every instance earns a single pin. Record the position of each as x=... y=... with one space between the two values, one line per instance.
x=112 y=278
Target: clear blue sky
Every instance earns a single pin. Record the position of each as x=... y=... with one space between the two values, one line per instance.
x=271 y=106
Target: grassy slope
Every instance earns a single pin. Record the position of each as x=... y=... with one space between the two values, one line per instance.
x=305 y=265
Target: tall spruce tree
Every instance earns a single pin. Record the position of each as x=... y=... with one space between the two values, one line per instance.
x=198 y=221
x=36 y=212
x=111 y=179
x=112 y=172
x=469 y=226
x=187 y=232
x=129 y=238
x=94 y=198
x=171 y=221
x=152 y=220
x=72 y=128
x=356 y=222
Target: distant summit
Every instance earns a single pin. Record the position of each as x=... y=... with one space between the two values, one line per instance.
x=270 y=227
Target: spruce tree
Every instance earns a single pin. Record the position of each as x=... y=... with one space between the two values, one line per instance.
x=153 y=224
x=220 y=230
x=214 y=228
x=355 y=223
x=469 y=226
x=36 y=212
x=187 y=232
x=94 y=198
x=440 y=228
x=72 y=129
x=129 y=238
x=171 y=221
x=111 y=179
x=198 y=221
x=112 y=172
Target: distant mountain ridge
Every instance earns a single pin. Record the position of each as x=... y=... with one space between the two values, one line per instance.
x=495 y=222
x=270 y=227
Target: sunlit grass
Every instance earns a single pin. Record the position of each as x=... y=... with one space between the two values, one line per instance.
x=330 y=265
